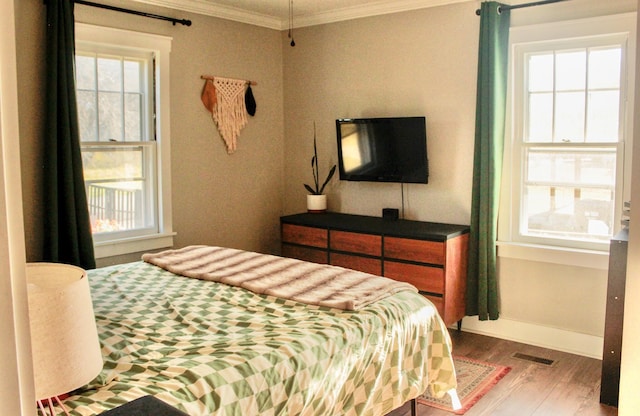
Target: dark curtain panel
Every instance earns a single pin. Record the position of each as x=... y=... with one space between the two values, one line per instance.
x=67 y=233
x=482 y=285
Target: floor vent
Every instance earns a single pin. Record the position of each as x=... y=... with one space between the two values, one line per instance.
x=533 y=358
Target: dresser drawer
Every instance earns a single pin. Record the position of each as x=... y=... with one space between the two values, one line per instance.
x=308 y=236
x=363 y=264
x=422 y=251
x=438 y=302
x=313 y=255
x=425 y=278
x=356 y=243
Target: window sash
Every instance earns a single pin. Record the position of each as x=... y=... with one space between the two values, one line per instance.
x=133 y=204
x=569 y=194
x=98 y=95
x=560 y=109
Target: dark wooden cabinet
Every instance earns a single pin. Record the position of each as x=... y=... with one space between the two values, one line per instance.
x=431 y=256
x=614 y=319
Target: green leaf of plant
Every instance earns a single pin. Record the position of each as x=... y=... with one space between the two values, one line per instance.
x=329 y=176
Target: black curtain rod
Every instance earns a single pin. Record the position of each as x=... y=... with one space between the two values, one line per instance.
x=120 y=9
x=520 y=6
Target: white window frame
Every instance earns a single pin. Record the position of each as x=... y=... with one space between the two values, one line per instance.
x=160 y=46
x=527 y=39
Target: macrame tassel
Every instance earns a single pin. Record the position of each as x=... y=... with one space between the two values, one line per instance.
x=249 y=101
x=209 y=95
x=230 y=112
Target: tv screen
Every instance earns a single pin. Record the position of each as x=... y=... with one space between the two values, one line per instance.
x=391 y=149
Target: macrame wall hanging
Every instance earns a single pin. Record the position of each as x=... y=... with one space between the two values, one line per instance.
x=229 y=101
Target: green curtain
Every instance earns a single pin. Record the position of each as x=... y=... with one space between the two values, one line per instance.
x=482 y=285
x=67 y=228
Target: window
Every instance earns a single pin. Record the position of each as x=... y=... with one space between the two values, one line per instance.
x=114 y=110
x=122 y=95
x=566 y=152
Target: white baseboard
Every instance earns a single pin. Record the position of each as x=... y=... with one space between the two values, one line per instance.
x=538 y=335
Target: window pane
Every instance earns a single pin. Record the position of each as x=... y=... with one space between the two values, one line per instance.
x=539 y=166
x=116 y=206
x=569 y=117
x=119 y=113
x=569 y=193
x=591 y=167
x=117 y=188
x=109 y=74
x=110 y=116
x=541 y=73
x=604 y=68
x=133 y=117
x=540 y=118
x=579 y=213
x=87 y=115
x=85 y=72
x=603 y=117
x=109 y=163
x=571 y=70
x=132 y=74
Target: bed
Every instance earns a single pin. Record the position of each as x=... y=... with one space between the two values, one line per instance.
x=202 y=342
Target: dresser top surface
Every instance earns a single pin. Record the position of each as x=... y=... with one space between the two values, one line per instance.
x=376 y=225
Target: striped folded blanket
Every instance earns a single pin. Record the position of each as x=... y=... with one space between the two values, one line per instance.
x=300 y=281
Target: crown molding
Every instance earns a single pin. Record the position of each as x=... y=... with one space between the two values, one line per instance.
x=372 y=9
x=209 y=8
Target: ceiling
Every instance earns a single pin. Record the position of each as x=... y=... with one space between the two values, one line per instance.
x=274 y=14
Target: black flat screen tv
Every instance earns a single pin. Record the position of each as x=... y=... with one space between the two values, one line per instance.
x=389 y=149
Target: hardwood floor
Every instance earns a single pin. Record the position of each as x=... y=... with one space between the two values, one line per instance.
x=570 y=386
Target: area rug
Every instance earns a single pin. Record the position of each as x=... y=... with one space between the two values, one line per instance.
x=475 y=379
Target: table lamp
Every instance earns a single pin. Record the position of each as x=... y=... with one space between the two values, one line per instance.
x=64 y=339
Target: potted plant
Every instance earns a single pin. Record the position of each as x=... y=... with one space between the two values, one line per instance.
x=316 y=200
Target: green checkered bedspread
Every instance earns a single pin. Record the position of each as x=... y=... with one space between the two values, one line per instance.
x=211 y=349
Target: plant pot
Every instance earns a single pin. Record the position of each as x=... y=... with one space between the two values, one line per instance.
x=317 y=203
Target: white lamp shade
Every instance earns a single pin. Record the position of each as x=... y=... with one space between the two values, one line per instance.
x=64 y=339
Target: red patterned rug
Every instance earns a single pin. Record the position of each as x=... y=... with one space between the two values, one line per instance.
x=475 y=379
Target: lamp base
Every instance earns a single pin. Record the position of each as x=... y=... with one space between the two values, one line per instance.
x=49 y=403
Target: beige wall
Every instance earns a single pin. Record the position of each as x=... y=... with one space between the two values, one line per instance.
x=220 y=199
x=30 y=27
x=424 y=63
x=418 y=63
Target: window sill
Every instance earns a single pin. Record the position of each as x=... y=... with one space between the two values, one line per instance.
x=133 y=245
x=557 y=255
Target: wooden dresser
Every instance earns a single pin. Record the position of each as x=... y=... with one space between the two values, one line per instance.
x=431 y=256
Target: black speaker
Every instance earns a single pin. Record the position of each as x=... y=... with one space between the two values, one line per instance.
x=390 y=214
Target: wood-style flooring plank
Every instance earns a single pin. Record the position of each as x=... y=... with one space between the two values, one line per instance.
x=569 y=387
